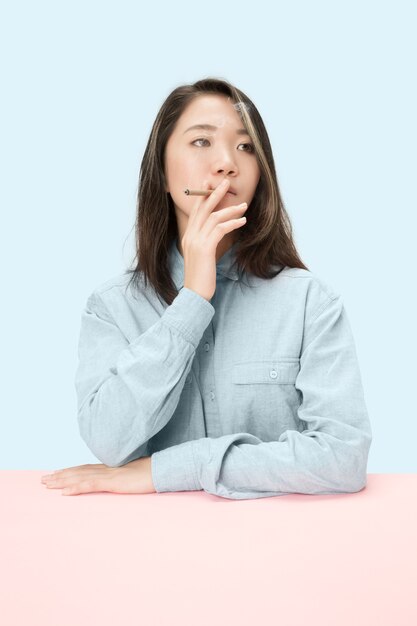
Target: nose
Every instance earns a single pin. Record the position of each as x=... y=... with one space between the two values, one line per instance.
x=226 y=171
x=225 y=164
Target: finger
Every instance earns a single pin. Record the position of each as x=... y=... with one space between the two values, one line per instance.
x=77 y=472
x=83 y=487
x=77 y=467
x=196 y=206
x=222 y=216
x=73 y=487
x=221 y=228
x=208 y=204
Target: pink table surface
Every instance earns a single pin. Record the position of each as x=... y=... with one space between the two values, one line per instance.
x=192 y=558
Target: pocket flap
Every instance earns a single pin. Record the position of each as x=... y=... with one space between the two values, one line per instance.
x=280 y=371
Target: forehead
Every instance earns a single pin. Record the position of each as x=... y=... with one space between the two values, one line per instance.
x=210 y=109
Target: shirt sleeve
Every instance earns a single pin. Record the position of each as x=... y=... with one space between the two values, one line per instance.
x=127 y=392
x=329 y=456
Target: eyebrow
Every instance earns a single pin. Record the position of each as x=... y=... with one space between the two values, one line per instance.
x=239 y=131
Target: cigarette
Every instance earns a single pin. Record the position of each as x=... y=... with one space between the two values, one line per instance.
x=198 y=192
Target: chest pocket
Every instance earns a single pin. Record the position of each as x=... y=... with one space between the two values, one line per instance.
x=265 y=399
x=278 y=372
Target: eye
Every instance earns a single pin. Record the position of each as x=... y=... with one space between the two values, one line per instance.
x=249 y=145
x=201 y=139
x=252 y=149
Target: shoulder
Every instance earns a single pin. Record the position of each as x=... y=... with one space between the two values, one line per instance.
x=317 y=292
x=122 y=296
x=304 y=288
x=312 y=281
x=113 y=289
x=115 y=283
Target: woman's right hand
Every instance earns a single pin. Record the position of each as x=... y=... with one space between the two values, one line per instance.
x=205 y=229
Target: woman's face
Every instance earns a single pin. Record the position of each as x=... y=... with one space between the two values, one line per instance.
x=195 y=155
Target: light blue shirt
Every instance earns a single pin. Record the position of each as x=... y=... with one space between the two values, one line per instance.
x=256 y=393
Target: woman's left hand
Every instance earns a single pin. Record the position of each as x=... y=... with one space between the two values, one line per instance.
x=134 y=477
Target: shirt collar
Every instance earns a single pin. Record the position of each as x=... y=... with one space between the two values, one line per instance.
x=223 y=265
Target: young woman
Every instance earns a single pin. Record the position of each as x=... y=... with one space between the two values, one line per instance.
x=220 y=362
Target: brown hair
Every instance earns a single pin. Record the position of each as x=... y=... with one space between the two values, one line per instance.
x=266 y=239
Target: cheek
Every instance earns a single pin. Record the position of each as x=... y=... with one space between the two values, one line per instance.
x=254 y=176
x=172 y=167
x=179 y=170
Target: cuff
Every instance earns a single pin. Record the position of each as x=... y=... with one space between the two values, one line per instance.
x=174 y=469
x=190 y=314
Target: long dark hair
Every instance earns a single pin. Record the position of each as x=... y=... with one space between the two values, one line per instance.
x=266 y=239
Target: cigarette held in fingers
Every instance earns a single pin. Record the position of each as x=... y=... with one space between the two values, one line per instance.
x=198 y=192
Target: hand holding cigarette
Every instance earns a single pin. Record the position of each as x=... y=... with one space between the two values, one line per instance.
x=205 y=229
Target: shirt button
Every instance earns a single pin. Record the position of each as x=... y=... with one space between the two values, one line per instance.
x=212 y=396
x=206 y=347
x=273 y=374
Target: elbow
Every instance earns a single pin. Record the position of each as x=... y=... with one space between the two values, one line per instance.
x=103 y=445
x=97 y=445
x=354 y=476
x=111 y=447
x=107 y=454
x=346 y=469
x=356 y=483
x=354 y=470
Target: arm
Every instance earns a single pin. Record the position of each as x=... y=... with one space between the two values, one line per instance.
x=330 y=456
x=126 y=393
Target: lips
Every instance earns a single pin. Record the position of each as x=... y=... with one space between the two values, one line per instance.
x=231 y=190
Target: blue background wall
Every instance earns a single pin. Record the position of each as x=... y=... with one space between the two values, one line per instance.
x=81 y=85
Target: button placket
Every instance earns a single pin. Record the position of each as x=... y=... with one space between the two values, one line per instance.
x=208 y=383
